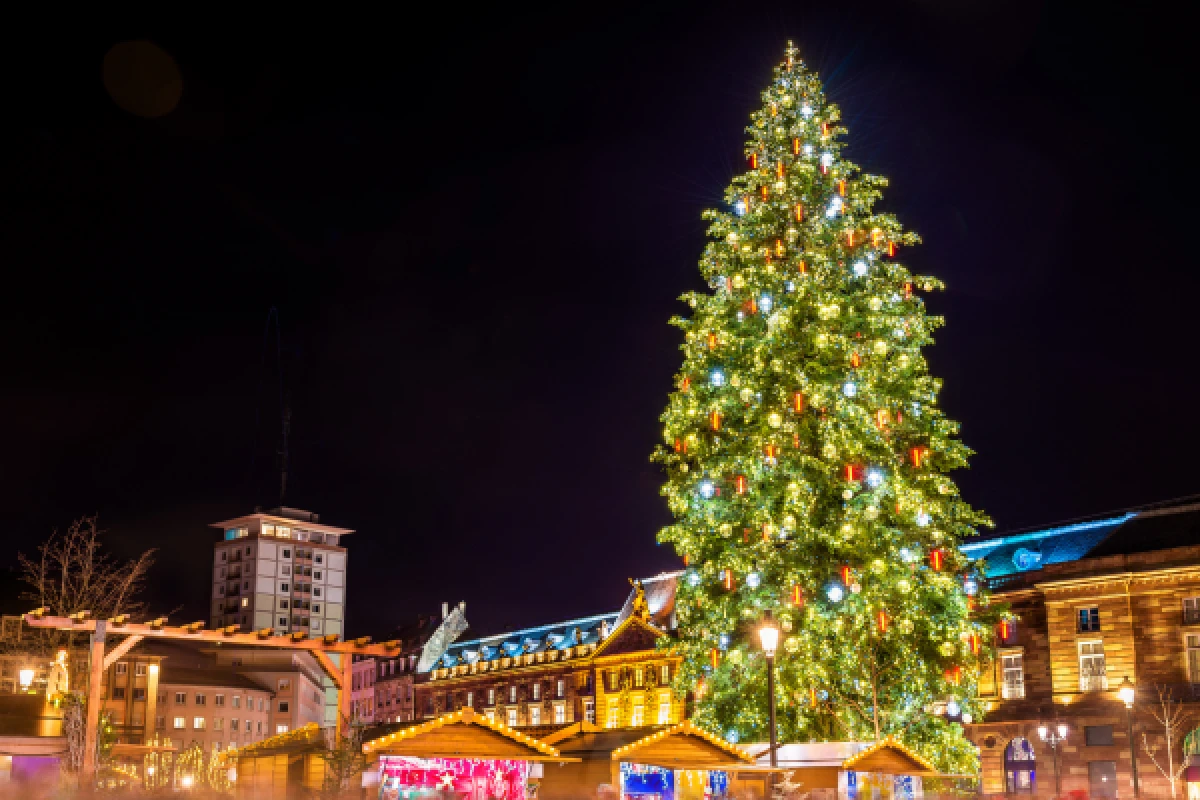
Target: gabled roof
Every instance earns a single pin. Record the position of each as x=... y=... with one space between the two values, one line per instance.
x=463 y=734
x=681 y=745
x=888 y=755
x=660 y=600
x=306 y=737
x=630 y=624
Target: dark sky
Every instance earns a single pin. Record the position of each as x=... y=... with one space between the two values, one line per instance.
x=474 y=230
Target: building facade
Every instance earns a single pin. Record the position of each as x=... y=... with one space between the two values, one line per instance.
x=212 y=707
x=1097 y=603
x=363 y=690
x=606 y=670
x=282 y=571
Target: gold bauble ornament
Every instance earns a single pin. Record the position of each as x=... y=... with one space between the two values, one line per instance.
x=878 y=566
x=789 y=523
x=874 y=304
x=905 y=625
x=880 y=347
x=774 y=419
x=735 y=656
x=735 y=380
x=791 y=644
x=737 y=280
x=747 y=396
x=683 y=467
x=947 y=648
x=903 y=586
x=848 y=495
x=903 y=361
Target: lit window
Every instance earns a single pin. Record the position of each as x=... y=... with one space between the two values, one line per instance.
x=614 y=715
x=1013 y=665
x=535 y=715
x=639 y=678
x=491 y=697
x=237 y=701
x=589 y=711
x=1191 y=610
x=512 y=694
x=560 y=714
x=537 y=691
x=470 y=699
x=637 y=717
x=664 y=710
x=218 y=723
x=198 y=723
x=245 y=602
x=664 y=674
x=512 y=718
x=560 y=688
x=1092 y=668
x=281 y=729
x=179 y=723
x=122 y=668
x=1193 y=657
x=139 y=670
x=285 y=684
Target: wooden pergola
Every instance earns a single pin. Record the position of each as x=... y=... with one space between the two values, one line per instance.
x=100 y=630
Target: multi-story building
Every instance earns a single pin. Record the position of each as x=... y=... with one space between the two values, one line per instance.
x=281 y=570
x=301 y=691
x=363 y=689
x=211 y=706
x=1098 y=603
x=605 y=669
x=394 y=695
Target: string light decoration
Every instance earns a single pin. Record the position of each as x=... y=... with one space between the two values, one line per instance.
x=818 y=333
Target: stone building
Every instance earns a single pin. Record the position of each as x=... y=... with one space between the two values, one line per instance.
x=605 y=670
x=1098 y=603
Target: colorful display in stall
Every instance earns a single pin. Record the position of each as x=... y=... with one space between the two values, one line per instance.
x=403 y=777
x=647 y=782
x=854 y=785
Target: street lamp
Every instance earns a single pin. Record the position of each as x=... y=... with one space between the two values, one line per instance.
x=768 y=633
x=1052 y=738
x=1128 y=693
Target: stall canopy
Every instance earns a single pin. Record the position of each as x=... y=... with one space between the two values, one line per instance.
x=683 y=746
x=464 y=734
x=890 y=757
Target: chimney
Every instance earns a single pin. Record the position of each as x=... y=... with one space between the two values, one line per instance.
x=445 y=610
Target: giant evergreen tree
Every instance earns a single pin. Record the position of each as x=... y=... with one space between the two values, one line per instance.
x=807 y=459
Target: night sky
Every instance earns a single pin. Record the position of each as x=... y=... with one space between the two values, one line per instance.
x=474 y=230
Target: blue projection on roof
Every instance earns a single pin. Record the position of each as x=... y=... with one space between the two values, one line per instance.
x=1023 y=552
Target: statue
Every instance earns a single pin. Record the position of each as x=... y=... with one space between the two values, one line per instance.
x=641 y=609
x=57 y=683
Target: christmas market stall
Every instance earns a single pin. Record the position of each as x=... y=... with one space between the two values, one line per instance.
x=276 y=765
x=462 y=754
x=884 y=770
x=678 y=762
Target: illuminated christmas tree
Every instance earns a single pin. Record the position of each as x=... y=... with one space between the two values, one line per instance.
x=807 y=460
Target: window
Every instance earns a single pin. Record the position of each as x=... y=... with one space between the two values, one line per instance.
x=283 y=706
x=200 y=699
x=237 y=701
x=491 y=697
x=287 y=553
x=162 y=698
x=639 y=678
x=139 y=670
x=537 y=691
x=1191 y=610
x=285 y=684
x=1013 y=667
x=281 y=729
x=259 y=726
x=1092 y=677
x=560 y=713
x=250 y=726
x=319 y=558
x=664 y=709
x=560 y=688
x=219 y=700
x=233 y=723
x=260 y=704
x=316 y=608
x=118 y=693
x=512 y=718
x=664 y=674
x=470 y=699
x=198 y=723
x=535 y=715
x=1193 y=657
x=589 y=711
x=283 y=622
x=316 y=592
x=122 y=668
x=179 y=723
x=1098 y=735
x=283 y=587
x=637 y=717
x=160 y=722
x=1089 y=620
x=614 y=715
x=139 y=694
x=614 y=680
x=181 y=698
x=512 y=694
x=218 y=723
x=317 y=575
x=1102 y=779
x=491 y=715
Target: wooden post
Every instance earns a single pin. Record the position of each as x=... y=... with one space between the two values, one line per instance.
x=346 y=695
x=92 y=716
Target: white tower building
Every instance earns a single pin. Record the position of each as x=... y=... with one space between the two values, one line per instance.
x=280 y=570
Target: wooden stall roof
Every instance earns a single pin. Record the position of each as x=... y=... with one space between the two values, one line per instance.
x=683 y=746
x=121 y=750
x=889 y=756
x=464 y=734
x=306 y=737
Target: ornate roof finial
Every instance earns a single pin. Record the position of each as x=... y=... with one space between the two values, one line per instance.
x=641 y=609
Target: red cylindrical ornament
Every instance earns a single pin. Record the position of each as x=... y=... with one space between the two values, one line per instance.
x=798 y=402
x=740 y=484
x=936 y=559
x=855 y=360
x=846 y=575
x=803 y=267
x=712 y=341
x=754 y=161
x=876 y=236
x=854 y=472
x=953 y=675
x=882 y=619
x=850 y=238
x=729 y=580
x=779 y=173
x=842 y=187
x=1004 y=630
x=714 y=657
x=973 y=640
x=714 y=419
x=797 y=595
x=763 y=191
x=771 y=451
x=881 y=419
x=685 y=385
x=907 y=291
x=796 y=146
x=824 y=128
x=779 y=248
x=799 y=212
x=917 y=455
x=891 y=248
x=685 y=559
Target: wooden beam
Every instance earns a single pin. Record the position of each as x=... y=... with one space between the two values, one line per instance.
x=158 y=630
x=331 y=669
x=92 y=715
x=124 y=647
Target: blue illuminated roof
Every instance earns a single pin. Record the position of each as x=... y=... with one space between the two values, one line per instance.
x=555 y=636
x=1032 y=550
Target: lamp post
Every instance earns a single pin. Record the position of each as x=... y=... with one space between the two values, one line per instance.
x=1052 y=738
x=1128 y=693
x=768 y=633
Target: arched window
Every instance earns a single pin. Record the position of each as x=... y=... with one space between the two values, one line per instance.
x=1020 y=766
